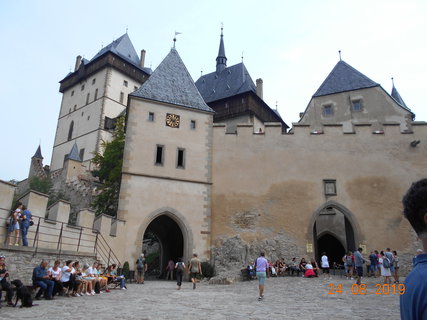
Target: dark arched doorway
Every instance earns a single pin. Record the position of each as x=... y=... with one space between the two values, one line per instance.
x=163 y=240
x=332 y=247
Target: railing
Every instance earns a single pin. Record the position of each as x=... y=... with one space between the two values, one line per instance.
x=60 y=236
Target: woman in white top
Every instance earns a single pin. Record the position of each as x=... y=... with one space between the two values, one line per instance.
x=55 y=274
x=67 y=279
x=325 y=264
x=14 y=223
x=385 y=272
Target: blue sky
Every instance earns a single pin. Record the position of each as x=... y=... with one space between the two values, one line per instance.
x=291 y=45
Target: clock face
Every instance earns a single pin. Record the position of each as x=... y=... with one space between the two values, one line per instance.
x=172 y=120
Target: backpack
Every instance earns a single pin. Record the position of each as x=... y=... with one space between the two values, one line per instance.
x=180 y=267
x=386 y=262
x=141 y=263
x=97 y=288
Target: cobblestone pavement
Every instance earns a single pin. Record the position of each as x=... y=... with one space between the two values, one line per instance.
x=285 y=298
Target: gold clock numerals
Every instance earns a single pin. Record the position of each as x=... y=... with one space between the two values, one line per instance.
x=172 y=120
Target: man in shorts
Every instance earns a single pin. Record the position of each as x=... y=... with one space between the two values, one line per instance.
x=195 y=268
x=262 y=271
x=358 y=263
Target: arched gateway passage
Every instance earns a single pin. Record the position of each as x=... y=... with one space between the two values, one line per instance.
x=332 y=246
x=163 y=240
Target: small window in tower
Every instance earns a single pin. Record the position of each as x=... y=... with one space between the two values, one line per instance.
x=96 y=95
x=193 y=124
x=328 y=110
x=226 y=105
x=243 y=101
x=72 y=93
x=87 y=98
x=93 y=82
x=70 y=131
x=83 y=87
x=88 y=117
x=122 y=97
x=135 y=88
x=82 y=153
x=125 y=83
x=75 y=107
x=180 y=160
x=69 y=111
x=356 y=105
x=151 y=116
x=159 y=155
x=83 y=113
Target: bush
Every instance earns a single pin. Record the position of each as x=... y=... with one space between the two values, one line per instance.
x=126 y=270
x=208 y=270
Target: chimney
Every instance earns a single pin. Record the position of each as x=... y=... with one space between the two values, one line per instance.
x=78 y=62
x=259 y=89
x=142 y=61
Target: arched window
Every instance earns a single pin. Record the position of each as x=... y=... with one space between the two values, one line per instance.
x=70 y=131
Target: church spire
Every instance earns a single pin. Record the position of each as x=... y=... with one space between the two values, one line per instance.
x=221 y=60
x=38 y=153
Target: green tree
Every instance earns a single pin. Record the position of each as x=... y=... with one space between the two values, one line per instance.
x=109 y=171
x=43 y=185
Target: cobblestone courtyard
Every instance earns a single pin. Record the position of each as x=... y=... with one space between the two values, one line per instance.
x=285 y=298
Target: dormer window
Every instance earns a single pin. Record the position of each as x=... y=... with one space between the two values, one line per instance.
x=328 y=110
x=356 y=105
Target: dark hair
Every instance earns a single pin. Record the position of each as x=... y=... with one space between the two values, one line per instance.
x=360 y=249
x=179 y=260
x=114 y=265
x=68 y=262
x=376 y=251
x=75 y=264
x=395 y=252
x=57 y=262
x=382 y=252
x=24 y=207
x=262 y=254
x=324 y=253
x=17 y=205
x=415 y=205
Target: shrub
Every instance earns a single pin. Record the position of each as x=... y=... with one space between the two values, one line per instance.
x=126 y=270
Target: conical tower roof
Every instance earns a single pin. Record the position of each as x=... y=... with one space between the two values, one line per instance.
x=344 y=77
x=38 y=153
x=74 y=153
x=172 y=83
x=396 y=96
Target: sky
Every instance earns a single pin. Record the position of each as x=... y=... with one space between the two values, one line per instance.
x=291 y=45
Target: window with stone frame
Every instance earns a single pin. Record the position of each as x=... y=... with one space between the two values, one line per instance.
x=159 y=155
x=356 y=105
x=330 y=187
x=328 y=110
x=180 y=158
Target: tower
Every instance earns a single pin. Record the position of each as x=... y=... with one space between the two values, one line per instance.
x=36 y=167
x=93 y=95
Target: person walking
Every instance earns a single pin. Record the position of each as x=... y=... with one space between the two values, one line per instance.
x=179 y=267
x=169 y=269
x=374 y=264
x=195 y=268
x=261 y=266
x=141 y=268
x=358 y=263
x=348 y=265
x=396 y=266
x=26 y=219
x=325 y=265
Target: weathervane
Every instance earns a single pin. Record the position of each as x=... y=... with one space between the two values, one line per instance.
x=174 y=38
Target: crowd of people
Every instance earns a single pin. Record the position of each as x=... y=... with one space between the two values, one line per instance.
x=71 y=279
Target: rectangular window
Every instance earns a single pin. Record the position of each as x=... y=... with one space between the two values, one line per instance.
x=180 y=159
x=96 y=95
x=151 y=116
x=82 y=153
x=72 y=93
x=87 y=98
x=193 y=124
x=356 y=105
x=330 y=187
x=109 y=123
x=159 y=155
x=328 y=111
x=83 y=87
x=122 y=97
x=125 y=83
x=93 y=80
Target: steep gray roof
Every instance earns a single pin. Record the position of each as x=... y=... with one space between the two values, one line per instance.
x=38 y=153
x=74 y=153
x=344 y=77
x=229 y=82
x=124 y=48
x=396 y=96
x=172 y=83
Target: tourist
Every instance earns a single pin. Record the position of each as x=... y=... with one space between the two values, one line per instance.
x=413 y=304
x=169 y=269
x=94 y=272
x=68 y=278
x=396 y=266
x=348 y=265
x=26 y=220
x=81 y=284
x=309 y=272
x=41 y=279
x=315 y=266
x=302 y=265
x=55 y=274
x=141 y=268
x=180 y=267
x=385 y=264
x=358 y=264
x=103 y=279
x=374 y=264
x=4 y=284
x=261 y=266
x=325 y=264
x=272 y=269
x=390 y=257
x=91 y=281
x=195 y=268
x=14 y=227
x=111 y=274
x=292 y=267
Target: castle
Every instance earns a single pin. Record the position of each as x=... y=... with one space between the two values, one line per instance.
x=210 y=168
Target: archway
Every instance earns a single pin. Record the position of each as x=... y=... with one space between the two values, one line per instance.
x=163 y=240
x=333 y=248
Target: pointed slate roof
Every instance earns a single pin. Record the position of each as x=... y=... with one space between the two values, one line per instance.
x=344 y=77
x=124 y=48
x=172 y=83
x=221 y=60
x=38 y=153
x=229 y=82
x=74 y=153
x=396 y=96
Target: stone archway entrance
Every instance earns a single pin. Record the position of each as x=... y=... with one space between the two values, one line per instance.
x=334 y=231
x=163 y=240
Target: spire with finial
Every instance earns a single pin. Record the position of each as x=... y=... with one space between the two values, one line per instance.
x=339 y=53
x=174 y=39
x=38 y=153
x=221 y=60
x=396 y=96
